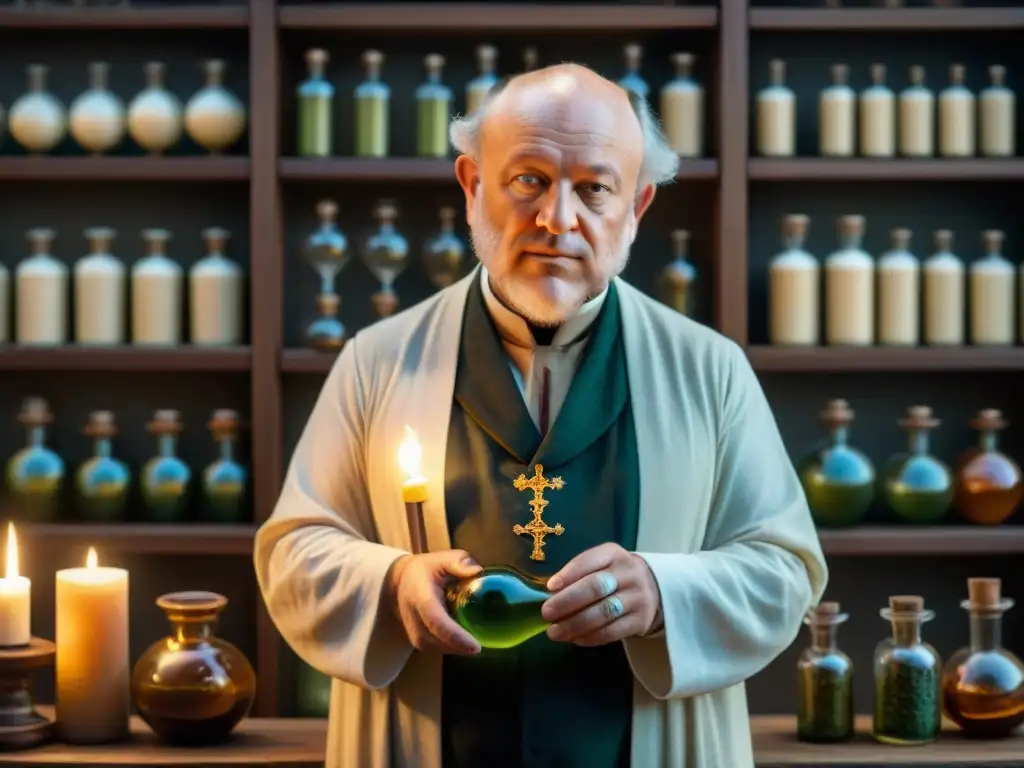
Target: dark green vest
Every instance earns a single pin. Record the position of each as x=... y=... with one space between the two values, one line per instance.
x=543 y=704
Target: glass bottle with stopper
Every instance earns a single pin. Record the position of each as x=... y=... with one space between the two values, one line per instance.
x=877 y=116
x=899 y=291
x=103 y=481
x=373 y=98
x=316 y=100
x=224 y=481
x=682 y=108
x=35 y=474
x=776 y=115
x=956 y=116
x=997 y=111
x=37 y=120
x=992 y=299
x=837 y=106
x=433 y=108
x=918 y=487
x=850 y=288
x=217 y=294
x=677 y=282
x=839 y=480
x=944 y=294
x=386 y=255
x=824 y=705
x=983 y=683
x=988 y=482
x=478 y=88
x=165 y=477
x=42 y=293
x=917 y=117
x=327 y=251
x=794 y=292
x=157 y=293
x=632 y=79
x=100 y=295
x=444 y=254
x=96 y=118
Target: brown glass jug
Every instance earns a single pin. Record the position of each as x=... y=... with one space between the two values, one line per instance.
x=988 y=482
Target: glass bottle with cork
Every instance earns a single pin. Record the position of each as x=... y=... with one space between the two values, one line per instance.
x=899 y=293
x=444 y=254
x=682 y=108
x=837 y=105
x=326 y=250
x=632 y=80
x=989 y=484
x=224 y=481
x=103 y=481
x=316 y=100
x=877 y=116
x=794 y=290
x=918 y=487
x=850 y=288
x=776 y=115
x=217 y=300
x=35 y=474
x=956 y=116
x=481 y=85
x=944 y=294
x=917 y=117
x=997 y=116
x=386 y=255
x=373 y=98
x=824 y=707
x=166 y=479
x=993 y=301
x=677 y=283
x=433 y=109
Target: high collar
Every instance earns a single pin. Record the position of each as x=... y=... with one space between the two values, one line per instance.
x=516 y=330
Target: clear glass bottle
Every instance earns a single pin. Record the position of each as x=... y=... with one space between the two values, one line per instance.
x=42 y=293
x=989 y=484
x=433 y=109
x=35 y=474
x=326 y=250
x=837 y=121
x=500 y=606
x=155 y=115
x=316 y=104
x=215 y=117
x=157 y=294
x=794 y=288
x=478 y=88
x=96 y=118
x=100 y=292
x=373 y=97
x=444 y=254
x=993 y=294
x=877 y=116
x=983 y=683
x=217 y=288
x=37 y=120
x=997 y=116
x=838 y=479
x=224 y=481
x=908 y=677
x=944 y=294
x=824 y=704
x=677 y=282
x=917 y=117
x=632 y=80
x=850 y=288
x=918 y=486
x=776 y=115
x=956 y=116
x=899 y=293
x=103 y=482
x=386 y=255
x=166 y=478
x=682 y=108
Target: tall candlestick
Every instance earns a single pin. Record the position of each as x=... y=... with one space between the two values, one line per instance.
x=15 y=599
x=414 y=489
x=93 y=674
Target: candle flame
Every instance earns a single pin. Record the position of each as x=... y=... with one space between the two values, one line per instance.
x=410 y=454
x=91 y=560
x=11 y=571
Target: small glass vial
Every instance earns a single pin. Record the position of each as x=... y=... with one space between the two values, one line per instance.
x=956 y=116
x=918 y=486
x=907 y=675
x=837 y=115
x=877 y=116
x=42 y=300
x=316 y=100
x=100 y=292
x=156 y=294
x=677 y=283
x=166 y=478
x=794 y=288
x=373 y=97
x=899 y=294
x=433 y=107
x=481 y=85
x=35 y=474
x=917 y=117
x=944 y=294
x=850 y=288
x=217 y=294
x=997 y=111
x=224 y=481
x=824 y=705
x=993 y=299
x=444 y=254
x=682 y=108
x=632 y=80
x=776 y=115
x=103 y=481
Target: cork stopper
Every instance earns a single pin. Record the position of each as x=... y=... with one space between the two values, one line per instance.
x=900 y=239
x=997 y=74
x=777 y=71
x=840 y=73
x=154 y=73
x=100 y=238
x=386 y=211
x=985 y=593
x=434 y=63
x=100 y=424
x=215 y=238
x=683 y=63
x=851 y=227
x=224 y=422
x=988 y=420
x=917 y=75
x=794 y=227
x=992 y=240
x=837 y=413
x=327 y=304
x=957 y=74
x=40 y=238
x=633 y=53
x=316 y=58
x=373 y=61
x=830 y=608
x=906 y=603
x=327 y=211
x=486 y=58
x=919 y=417
x=680 y=242
x=35 y=412
x=877 y=74
x=530 y=59
x=943 y=240
x=165 y=422
x=156 y=239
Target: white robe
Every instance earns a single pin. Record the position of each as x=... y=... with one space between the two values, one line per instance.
x=723 y=524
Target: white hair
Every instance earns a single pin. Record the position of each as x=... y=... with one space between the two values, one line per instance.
x=660 y=163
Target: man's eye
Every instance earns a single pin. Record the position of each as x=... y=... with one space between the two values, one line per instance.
x=528 y=179
x=594 y=188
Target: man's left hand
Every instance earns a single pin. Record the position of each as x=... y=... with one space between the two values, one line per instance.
x=602 y=595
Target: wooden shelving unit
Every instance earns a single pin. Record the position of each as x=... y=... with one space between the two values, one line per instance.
x=206 y=169
x=879 y=359
x=102 y=360
x=824 y=169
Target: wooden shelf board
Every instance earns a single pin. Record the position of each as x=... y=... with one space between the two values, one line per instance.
x=104 y=168
x=417 y=169
x=127 y=358
x=182 y=16
x=870 y=540
x=886 y=19
x=869 y=359
x=895 y=169
x=146 y=538
x=478 y=17
x=306 y=361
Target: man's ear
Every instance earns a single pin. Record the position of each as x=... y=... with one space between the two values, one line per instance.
x=643 y=202
x=468 y=174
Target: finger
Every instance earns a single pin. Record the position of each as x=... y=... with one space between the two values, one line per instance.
x=445 y=630
x=577 y=596
x=590 y=619
x=461 y=565
x=585 y=563
x=627 y=626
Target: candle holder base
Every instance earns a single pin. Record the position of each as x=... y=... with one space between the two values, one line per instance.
x=21 y=726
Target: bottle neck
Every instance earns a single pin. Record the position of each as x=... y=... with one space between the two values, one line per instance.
x=986 y=630
x=918 y=441
x=192 y=631
x=227 y=447
x=372 y=73
x=823 y=637
x=166 y=444
x=102 y=447
x=839 y=435
x=906 y=630
x=987 y=441
x=36 y=436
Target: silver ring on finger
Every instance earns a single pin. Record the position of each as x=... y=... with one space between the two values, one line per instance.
x=612 y=607
x=607 y=583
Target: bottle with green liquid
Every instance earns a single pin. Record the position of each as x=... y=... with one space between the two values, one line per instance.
x=478 y=88
x=500 y=606
x=316 y=98
x=433 y=108
x=373 y=98
x=103 y=481
x=918 y=487
x=35 y=474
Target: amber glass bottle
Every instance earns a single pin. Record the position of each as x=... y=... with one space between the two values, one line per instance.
x=988 y=482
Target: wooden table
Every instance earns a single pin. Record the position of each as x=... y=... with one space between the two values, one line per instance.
x=299 y=743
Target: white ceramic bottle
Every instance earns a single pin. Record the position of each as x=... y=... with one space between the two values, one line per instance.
x=956 y=116
x=776 y=115
x=38 y=120
x=917 y=117
x=794 y=288
x=156 y=294
x=42 y=287
x=216 y=294
x=850 y=289
x=997 y=110
x=993 y=294
x=877 y=116
x=96 y=118
x=214 y=116
x=682 y=108
x=100 y=292
x=155 y=119
x=899 y=294
x=944 y=294
x=837 y=119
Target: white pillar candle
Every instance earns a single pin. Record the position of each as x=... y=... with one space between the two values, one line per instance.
x=15 y=599
x=92 y=682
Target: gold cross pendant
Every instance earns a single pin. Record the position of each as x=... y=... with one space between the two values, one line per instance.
x=537 y=528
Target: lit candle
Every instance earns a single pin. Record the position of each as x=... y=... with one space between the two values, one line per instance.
x=414 y=488
x=92 y=682
x=15 y=599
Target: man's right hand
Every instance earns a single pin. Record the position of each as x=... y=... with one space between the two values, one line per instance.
x=416 y=584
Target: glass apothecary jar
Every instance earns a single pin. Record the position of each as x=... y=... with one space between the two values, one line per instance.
x=35 y=474
x=824 y=708
x=103 y=481
x=224 y=481
x=918 y=487
x=989 y=483
x=165 y=477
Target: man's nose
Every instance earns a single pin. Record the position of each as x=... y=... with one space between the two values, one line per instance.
x=558 y=209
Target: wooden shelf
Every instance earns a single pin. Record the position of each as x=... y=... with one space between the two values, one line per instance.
x=411 y=169
x=923 y=540
x=895 y=169
x=55 y=168
x=138 y=359
x=306 y=361
x=488 y=17
x=886 y=19
x=178 y=17
x=871 y=359
x=145 y=538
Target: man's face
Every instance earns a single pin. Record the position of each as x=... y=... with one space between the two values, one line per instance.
x=553 y=205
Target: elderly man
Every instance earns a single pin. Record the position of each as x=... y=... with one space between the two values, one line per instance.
x=688 y=556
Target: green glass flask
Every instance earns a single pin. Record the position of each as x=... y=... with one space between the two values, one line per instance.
x=35 y=474
x=444 y=254
x=372 y=103
x=918 y=487
x=824 y=705
x=500 y=606
x=631 y=80
x=103 y=482
x=839 y=480
x=678 y=280
x=165 y=477
x=316 y=98
x=433 y=108
x=481 y=85
x=224 y=481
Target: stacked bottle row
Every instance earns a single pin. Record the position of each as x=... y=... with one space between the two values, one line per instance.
x=36 y=475
x=103 y=290
x=214 y=118
x=877 y=123
x=681 y=103
x=984 y=486
x=980 y=687
x=896 y=300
